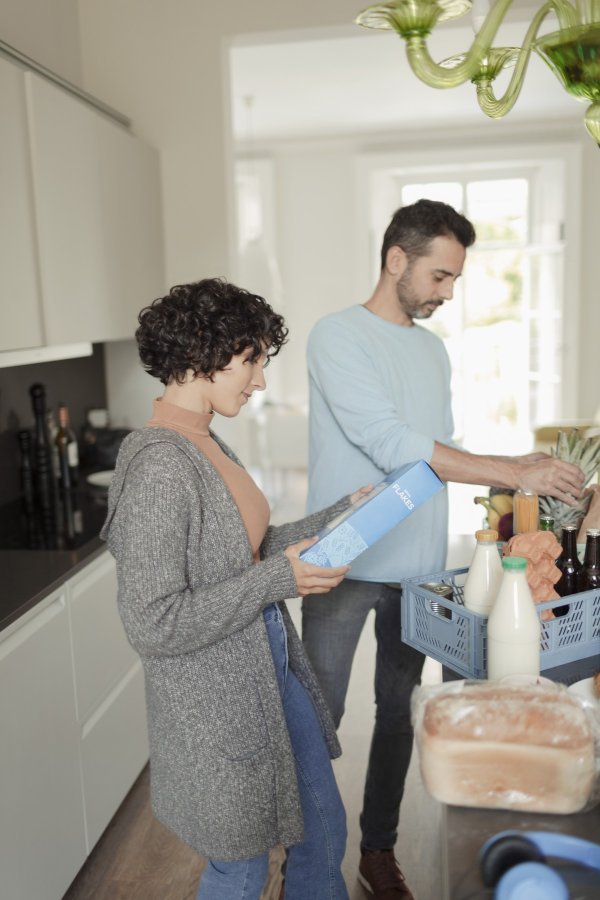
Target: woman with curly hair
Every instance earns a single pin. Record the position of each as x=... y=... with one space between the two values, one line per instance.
x=241 y=739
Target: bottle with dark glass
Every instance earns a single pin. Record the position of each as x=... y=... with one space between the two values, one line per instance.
x=27 y=486
x=68 y=467
x=52 y=432
x=68 y=451
x=45 y=483
x=590 y=577
x=569 y=564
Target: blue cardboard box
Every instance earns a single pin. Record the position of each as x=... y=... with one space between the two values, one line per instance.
x=364 y=523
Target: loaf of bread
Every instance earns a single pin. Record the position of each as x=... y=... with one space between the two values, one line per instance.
x=506 y=747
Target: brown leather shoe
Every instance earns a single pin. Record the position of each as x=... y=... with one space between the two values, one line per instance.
x=380 y=874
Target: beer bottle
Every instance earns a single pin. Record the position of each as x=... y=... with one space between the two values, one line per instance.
x=590 y=579
x=546 y=523
x=568 y=563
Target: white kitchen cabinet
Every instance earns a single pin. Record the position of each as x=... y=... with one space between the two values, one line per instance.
x=42 y=838
x=20 y=316
x=114 y=750
x=68 y=208
x=101 y=653
x=73 y=735
x=109 y=691
x=81 y=246
x=131 y=221
x=98 y=213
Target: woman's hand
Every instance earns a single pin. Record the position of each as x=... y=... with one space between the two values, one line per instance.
x=311 y=579
x=360 y=493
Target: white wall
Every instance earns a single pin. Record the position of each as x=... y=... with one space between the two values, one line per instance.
x=164 y=64
x=46 y=31
x=316 y=242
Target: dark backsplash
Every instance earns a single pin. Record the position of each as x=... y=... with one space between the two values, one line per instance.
x=80 y=383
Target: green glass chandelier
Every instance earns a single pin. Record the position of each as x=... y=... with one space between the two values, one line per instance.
x=572 y=52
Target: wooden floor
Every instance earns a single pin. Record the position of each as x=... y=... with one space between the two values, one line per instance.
x=139 y=859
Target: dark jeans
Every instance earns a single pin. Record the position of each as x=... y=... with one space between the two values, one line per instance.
x=331 y=627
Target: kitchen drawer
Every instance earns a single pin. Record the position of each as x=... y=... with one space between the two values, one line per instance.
x=114 y=750
x=42 y=842
x=101 y=652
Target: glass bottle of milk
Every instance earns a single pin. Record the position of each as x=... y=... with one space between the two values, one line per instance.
x=485 y=573
x=513 y=628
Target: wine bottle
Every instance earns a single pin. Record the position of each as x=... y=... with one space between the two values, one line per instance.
x=68 y=451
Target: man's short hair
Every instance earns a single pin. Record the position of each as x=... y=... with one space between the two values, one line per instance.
x=414 y=227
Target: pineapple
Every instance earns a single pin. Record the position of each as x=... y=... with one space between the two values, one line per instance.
x=585 y=453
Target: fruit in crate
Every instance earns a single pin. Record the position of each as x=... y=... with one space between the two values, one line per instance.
x=499 y=512
x=585 y=453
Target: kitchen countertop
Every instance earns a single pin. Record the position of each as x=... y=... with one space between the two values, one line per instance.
x=466 y=830
x=30 y=575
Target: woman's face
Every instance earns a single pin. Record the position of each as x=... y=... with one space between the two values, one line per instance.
x=232 y=387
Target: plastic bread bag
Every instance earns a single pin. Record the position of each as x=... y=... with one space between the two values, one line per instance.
x=521 y=744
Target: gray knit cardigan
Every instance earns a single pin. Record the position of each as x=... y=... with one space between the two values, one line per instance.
x=190 y=597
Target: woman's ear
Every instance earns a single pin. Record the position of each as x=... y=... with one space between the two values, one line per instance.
x=396 y=261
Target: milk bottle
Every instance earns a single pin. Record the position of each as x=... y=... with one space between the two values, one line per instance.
x=485 y=573
x=513 y=628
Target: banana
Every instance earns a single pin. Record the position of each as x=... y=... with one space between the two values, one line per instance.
x=496 y=506
x=502 y=503
x=493 y=516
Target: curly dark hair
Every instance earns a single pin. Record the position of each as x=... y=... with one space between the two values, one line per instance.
x=414 y=227
x=200 y=326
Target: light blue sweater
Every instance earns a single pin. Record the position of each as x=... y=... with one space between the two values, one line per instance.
x=379 y=397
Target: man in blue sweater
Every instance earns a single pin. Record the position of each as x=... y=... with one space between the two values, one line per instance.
x=379 y=398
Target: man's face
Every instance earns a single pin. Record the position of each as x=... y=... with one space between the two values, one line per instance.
x=429 y=280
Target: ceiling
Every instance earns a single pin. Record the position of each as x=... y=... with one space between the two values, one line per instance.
x=357 y=80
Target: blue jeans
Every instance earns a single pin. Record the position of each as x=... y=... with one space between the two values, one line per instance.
x=312 y=868
x=331 y=627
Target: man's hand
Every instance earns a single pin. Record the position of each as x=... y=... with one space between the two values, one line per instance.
x=311 y=579
x=535 y=472
x=551 y=477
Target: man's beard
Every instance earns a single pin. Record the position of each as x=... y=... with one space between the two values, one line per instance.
x=413 y=306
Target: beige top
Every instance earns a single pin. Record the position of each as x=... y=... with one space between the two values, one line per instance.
x=250 y=500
